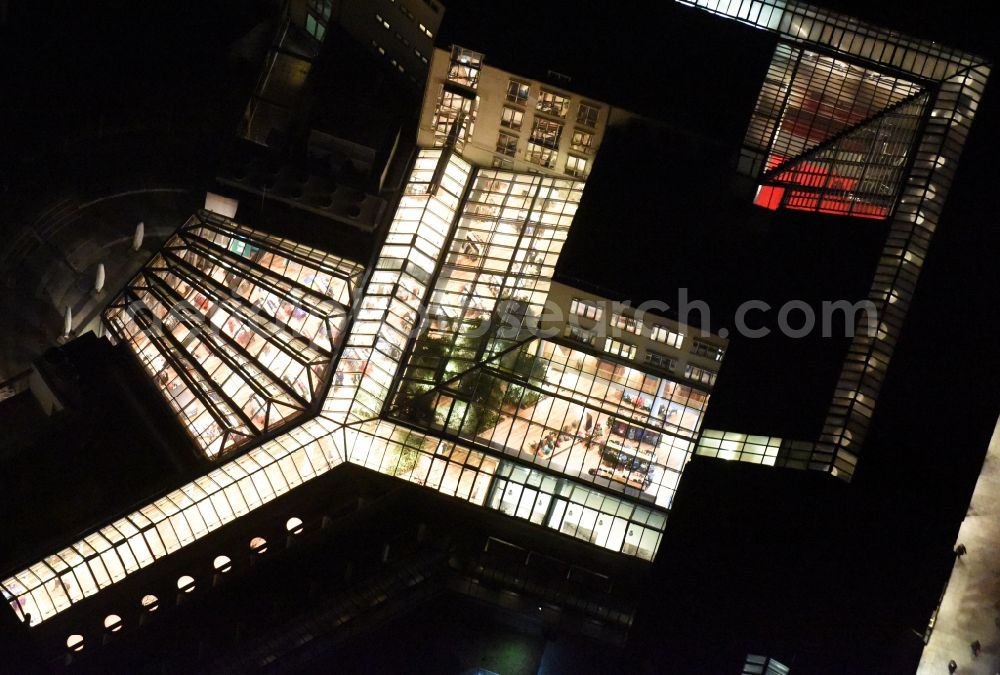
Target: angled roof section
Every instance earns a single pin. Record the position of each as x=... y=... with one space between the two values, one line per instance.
x=856 y=173
x=237 y=328
x=808 y=99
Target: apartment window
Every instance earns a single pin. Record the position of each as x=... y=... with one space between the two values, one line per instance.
x=660 y=360
x=582 y=141
x=406 y=43
x=408 y=14
x=315 y=28
x=507 y=144
x=501 y=163
x=587 y=115
x=579 y=335
x=424 y=29
x=699 y=375
x=380 y=19
x=586 y=308
x=318 y=13
x=622 y=349
x=542 y=156
x=708 y=350
x=667 y=336
x=511 y=118
x=551 y=103
x=576 y=166
x=546 y=133
x=626 y=323
x=420 y=55
x=517 y=92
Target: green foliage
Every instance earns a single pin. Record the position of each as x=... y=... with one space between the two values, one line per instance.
x=402 y=456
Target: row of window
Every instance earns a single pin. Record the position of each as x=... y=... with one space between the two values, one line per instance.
x=542 y=146
x=222 y=564
x=551 y=103
x=591 y=309
x=660 y=360
x=627 y=351
x=663 y=334
x=699 y=375
x=617 y=348
x=409 y=15
x=381 y=50
x=586 y=308
x=416 y=52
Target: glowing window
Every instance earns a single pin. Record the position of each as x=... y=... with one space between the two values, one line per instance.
x=576 y=166
x=617 y=348
x=517 y=92
x=583 y=141
x=667 y=336
x=511 y=118
x=507 y=144
x=552 y=103
x=626 y=323
x=589 y=309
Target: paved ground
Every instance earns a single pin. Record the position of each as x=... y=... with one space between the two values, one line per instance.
x=971 y=606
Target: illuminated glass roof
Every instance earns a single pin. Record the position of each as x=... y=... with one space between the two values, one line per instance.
x=237 y=328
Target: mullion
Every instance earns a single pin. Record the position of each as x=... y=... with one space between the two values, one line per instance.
x=261 y=276
x=177 y=357
x=275 y=246
x=280 y=334
x=162 y=288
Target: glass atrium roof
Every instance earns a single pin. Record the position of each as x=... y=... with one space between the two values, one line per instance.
x=237 y=328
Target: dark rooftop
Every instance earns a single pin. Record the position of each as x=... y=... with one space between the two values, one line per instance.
x=116 y=442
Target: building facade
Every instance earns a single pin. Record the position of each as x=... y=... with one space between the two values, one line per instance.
x=509 y=121
x=402 y=32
